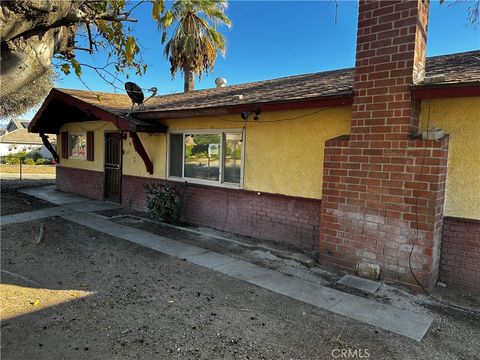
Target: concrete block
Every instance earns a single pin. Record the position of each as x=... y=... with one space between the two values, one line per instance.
x=210 y=259
x=368 y=270
x=365 y=285
x=403 y=322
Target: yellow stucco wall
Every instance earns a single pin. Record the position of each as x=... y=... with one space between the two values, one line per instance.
x=99 y=127
x=283 y=150
x=132 y=163
x=459 y=117
x=286 y=157
x=155 y=146
x=283 y=154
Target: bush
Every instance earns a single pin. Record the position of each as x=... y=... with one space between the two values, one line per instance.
x=42 y=161
x=11 y=159
x=29 y=161
x=164 y=201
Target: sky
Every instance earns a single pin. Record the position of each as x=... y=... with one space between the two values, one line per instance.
x=270 y=39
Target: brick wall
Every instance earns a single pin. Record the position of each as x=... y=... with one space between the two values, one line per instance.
x=374 y=200
x=383 y=190
x=279 y=218
x=84 y=182
x=460 y=260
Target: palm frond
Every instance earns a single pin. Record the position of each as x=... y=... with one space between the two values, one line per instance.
x=195 y=41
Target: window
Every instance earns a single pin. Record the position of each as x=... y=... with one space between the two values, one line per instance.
x=206 y=157
x=77 y=145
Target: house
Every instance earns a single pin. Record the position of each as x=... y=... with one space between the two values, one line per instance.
x=19 y=139
x=15 y=124
x=331 y=161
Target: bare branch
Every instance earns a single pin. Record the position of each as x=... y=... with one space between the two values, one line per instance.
x=133 y=7
x=89 y=50
x=336 y=11
x=90 y=40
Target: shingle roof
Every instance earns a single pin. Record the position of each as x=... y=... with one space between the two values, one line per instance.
x=460 y=68
x=21 y=136
x=457 y=68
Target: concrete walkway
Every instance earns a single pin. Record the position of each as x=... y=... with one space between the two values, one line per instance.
x=77 y=209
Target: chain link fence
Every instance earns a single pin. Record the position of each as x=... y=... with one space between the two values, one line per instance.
x=15 y=166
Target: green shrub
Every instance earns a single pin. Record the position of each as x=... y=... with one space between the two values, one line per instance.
x=42 y=161
x=11 y=159
x=164 y=201
x=29 y=161
x=21 y=154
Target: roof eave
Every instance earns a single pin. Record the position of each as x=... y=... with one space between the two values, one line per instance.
x=94 y=112
x=446 y=90
x=344 y=99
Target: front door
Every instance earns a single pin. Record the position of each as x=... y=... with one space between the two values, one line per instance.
x=113 y=166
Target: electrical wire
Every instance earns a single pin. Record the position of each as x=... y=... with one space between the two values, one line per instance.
x=443 y=302
x=97 y=129
x=417 y=231
x=278 y=120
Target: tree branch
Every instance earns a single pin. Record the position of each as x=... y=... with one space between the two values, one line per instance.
x=90 y=40
x=83 y=49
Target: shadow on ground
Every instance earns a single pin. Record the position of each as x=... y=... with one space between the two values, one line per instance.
x=13 y=202
x=138 y=303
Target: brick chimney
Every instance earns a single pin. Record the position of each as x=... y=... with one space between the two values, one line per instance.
x=383 y=188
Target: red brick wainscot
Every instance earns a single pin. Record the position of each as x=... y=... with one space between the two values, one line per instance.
x=280 y=218
x=460 y=260
x=88 y=183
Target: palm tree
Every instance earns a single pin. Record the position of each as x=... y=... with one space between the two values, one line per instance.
x=195 y=41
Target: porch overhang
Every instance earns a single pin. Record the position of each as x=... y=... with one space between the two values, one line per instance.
x=60 y=108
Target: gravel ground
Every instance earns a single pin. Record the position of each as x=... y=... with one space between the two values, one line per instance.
x=88 y=295
x=84 y=294
x=282 y=258
x=13 y=202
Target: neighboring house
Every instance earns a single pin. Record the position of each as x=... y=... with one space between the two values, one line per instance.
x=16 y=124
x=19 y=140
x=330 y=161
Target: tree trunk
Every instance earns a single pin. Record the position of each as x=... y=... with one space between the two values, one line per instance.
x=32 y=32
x=189 y=83
x=24 y=59
x=20 y=17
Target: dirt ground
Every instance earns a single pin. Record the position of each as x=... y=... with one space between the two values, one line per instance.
x=83 y=294
x=12 y=201
x=289 y=260
x=27 y=169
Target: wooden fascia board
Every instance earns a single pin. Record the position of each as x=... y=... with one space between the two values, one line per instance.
x=345 y=100
x=451 y=91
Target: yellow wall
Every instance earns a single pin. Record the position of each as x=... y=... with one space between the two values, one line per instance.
x=282 y=156
x=99 y=127
x=155 y=146
x=132 y=163
x=460 y=118
x=286 y=157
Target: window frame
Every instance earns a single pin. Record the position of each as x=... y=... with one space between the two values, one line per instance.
x=77 y=133
x=222 y=134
